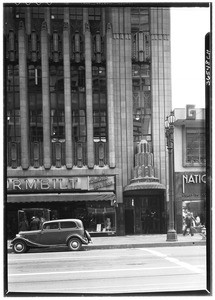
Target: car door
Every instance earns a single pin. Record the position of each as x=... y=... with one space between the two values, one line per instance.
x=50 y=234
x=67 y=228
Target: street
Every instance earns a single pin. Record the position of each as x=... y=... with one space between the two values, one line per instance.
x=133 y=270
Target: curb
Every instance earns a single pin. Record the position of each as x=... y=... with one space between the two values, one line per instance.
x=141 y=245
x=145 y=245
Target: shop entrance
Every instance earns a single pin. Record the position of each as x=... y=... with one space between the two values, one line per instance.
x=145 y=214
x=129 y=221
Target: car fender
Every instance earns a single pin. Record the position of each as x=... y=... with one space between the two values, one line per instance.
x=28 y=243
x=88 y=236
x=83 y=240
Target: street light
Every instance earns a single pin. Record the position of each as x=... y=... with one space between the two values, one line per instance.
x=169 y=131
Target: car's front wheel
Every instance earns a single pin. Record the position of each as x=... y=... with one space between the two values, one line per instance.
x=19 y=247
x=74 y=244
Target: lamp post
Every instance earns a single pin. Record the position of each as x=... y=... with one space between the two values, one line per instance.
x=169 y=131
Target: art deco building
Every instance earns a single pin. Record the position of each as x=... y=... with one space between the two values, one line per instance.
x=87 y=90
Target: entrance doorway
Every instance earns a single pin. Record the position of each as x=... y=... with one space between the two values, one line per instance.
x=145 y=214
x=129 y=221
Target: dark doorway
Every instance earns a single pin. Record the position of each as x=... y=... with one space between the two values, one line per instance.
x=129 y=221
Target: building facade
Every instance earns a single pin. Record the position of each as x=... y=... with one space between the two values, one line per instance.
x=87 y=90
x=190 y=164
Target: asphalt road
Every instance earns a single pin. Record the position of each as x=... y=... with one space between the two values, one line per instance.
x=136 y=270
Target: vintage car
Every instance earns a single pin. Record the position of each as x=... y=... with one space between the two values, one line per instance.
x=64 y=232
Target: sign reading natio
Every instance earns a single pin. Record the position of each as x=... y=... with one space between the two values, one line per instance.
x=190 y=185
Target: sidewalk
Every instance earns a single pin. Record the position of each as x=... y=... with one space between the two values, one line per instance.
x=135 y=241
x=141 y=241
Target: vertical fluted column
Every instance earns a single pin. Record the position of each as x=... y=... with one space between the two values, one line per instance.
x=110 y=100
x=128 y=90
x=47 y=17
x=67 y=96
x=160 y=85
x=45 y=97
x=103 y=20
x=23 y=86
x=85 y=17
x=89 y=97
x=28 y=20
x=66 y=15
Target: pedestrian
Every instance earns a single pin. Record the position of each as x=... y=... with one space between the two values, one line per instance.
x=188 y=224
x=35 y=223
x=198 y=221
x=23 y=225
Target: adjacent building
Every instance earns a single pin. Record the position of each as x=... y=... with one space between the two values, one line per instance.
x=87 y=91
x=189 y=164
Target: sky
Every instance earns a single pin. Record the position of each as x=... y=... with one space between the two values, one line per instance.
x=188 y=29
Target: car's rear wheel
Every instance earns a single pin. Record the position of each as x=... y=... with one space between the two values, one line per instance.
x=19 y=247
x=74 y=244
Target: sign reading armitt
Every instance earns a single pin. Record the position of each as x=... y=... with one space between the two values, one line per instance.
x=93 y=183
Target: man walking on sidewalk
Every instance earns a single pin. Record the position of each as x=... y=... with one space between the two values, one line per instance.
x=189 y=224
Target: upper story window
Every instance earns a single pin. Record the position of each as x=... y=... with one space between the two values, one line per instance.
x=37 y=12
x=78 y=99
x=99 y=104
x=76 y=13
x=13 y=103
x=57 y=103
x=139 y=19
x=94 y=13
x=35 y=103
x=195 y=147
x=57 y=13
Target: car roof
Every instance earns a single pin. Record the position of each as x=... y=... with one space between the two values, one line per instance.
x=64 y=220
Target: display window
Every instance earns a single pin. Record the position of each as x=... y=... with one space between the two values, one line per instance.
x=194 y=210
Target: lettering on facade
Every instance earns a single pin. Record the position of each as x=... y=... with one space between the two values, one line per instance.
x=58 y=184
x=192 y=179
x=190 y=112
x=96 y=183
x=30 y=184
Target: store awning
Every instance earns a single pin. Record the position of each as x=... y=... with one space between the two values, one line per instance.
x=25 y=198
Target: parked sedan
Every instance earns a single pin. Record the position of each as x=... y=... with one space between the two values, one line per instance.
x=64 y=232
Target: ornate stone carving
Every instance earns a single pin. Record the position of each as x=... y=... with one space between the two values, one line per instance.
x=21 y=25
x=65 y=26
x=109 y=26
x=44 y=26
x=87 y=27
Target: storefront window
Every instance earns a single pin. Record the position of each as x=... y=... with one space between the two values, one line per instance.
x=196 y=209
x=97 y=216
x=101 y=219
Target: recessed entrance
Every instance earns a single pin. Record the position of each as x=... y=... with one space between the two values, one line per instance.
x=129 y=221
x=145 y=214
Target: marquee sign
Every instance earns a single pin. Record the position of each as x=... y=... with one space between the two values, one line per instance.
x=54 y=184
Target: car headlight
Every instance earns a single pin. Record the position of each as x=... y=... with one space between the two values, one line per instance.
x=18 y=235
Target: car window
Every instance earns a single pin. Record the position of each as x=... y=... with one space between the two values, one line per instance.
x=68 y=225
x=51 y=226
